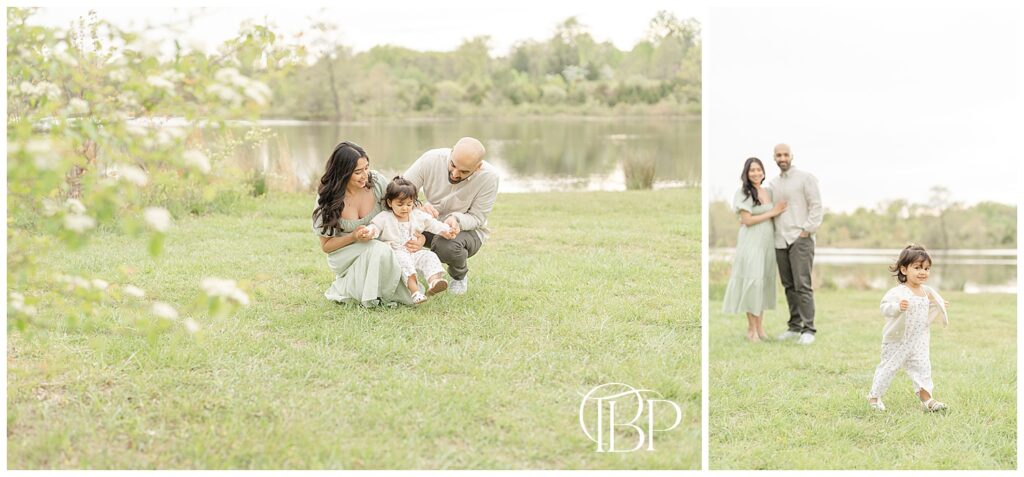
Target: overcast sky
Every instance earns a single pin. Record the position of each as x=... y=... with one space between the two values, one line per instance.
x=421 y=25
x=878 y=103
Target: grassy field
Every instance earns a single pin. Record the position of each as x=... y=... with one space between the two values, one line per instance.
x=573 y=290
x=779 y=405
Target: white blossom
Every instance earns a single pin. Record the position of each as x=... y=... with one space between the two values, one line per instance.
x=145 y=46
x=258 y=92
x=78 y=223
x=224 y=288
x=196 y=158
x=64 y=57
x=17 y=302
x=74 y=281
x=163 y=310
x=50 y=90
x=44 y=155
x=191 y=325
x=128 y=99
x=42 y=88
x=50 y=207
x=158 y=218
x=119 y=75
x=227 y=75
x=134 y=291
x=100 y=284
x=225 y=93
x=160 y=82
x=75 y=206
x=78 y=105
x=164 y=138
x=133 y=174
x=176 y=132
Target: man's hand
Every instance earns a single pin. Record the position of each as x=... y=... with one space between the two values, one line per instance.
x=426 y=207
x=805 y=234
x=454 y=226
x=416 y=244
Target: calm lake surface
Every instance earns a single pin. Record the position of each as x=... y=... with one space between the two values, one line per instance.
x=532 y=154
x=971 y=271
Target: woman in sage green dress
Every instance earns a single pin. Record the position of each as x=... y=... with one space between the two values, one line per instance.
x=349 y=196
x=751 y=288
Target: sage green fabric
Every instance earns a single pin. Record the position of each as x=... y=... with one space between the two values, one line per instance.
x=366 y=273
x=751 y=287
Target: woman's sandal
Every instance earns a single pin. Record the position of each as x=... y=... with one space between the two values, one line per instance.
x=437 y=286
x=418 y=298
x=932 y=405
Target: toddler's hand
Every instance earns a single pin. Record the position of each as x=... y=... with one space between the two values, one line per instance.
x=946 y=302
x=454 y=226
x=362 y=234
x=904 y=304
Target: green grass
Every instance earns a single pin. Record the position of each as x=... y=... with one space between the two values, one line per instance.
x=572 y=291
x=780 y=405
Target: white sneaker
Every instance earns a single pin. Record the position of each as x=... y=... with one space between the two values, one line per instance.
x=459 y=287
x=806 y=338
x=788 y=335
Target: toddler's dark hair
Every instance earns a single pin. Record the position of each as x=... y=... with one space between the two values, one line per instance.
x=910 y=255
x=399 y=189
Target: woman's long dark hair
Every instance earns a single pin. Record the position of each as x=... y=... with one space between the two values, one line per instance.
x=748 y=187
x=331 y=193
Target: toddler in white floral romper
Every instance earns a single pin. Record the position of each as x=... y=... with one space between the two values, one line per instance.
x=398 y=224
x=909 y=309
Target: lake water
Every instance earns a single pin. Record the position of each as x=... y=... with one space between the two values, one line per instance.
x=532 y=154
x=971 y=271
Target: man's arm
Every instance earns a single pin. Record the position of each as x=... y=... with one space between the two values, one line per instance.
x=417 y=174
x=479 y=209
x=814 y=212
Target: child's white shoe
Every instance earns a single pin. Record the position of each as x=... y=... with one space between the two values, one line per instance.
x=932 y=405
x=878 y=405
x=418 y=298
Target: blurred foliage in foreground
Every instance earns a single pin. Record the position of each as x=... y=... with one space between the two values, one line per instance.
x=91 y=146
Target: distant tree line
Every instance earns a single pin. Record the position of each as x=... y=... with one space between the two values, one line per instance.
x=569 y=72
x=893 y=224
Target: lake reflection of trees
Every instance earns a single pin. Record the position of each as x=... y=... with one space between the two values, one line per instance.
x=525 y=148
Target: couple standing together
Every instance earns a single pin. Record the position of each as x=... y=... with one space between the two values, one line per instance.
x=380 y=239
x=778 y=224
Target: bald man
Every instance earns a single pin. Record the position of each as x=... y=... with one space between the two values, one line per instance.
x=794 y=242
x=459 y=188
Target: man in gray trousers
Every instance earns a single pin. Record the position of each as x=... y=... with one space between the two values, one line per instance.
x=460 y=189
x=794 y=242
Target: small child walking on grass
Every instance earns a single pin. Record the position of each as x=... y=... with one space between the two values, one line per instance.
x=909 y=308
x=397 y=225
